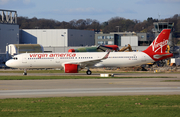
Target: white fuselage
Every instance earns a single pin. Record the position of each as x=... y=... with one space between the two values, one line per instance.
x=57 y=60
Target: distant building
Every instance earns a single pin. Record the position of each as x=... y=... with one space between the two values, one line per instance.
x=57 y=37
x=9 y=30
x=124 y=38
x=57 y=40
x=106 y=39
x=132 y=40
x=145 y=39
x=159 y=26
x=117 y=38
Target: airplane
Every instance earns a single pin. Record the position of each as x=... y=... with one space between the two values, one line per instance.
x=73 y=62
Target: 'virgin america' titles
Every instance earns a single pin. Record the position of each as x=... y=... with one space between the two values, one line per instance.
x=53 y=55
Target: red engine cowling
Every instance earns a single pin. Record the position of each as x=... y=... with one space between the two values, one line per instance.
x=71 y=68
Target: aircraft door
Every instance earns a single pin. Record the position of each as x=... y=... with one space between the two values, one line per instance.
x=24 y=59
x=57 y=59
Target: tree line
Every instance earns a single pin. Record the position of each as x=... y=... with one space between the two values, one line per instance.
x=112 y=25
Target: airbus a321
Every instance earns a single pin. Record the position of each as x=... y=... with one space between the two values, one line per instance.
x=73 y=62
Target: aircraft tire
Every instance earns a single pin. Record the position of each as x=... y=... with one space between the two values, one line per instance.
x=88 y=72
x=24 y=74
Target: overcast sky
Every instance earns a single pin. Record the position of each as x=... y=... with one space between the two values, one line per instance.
x=101 y=10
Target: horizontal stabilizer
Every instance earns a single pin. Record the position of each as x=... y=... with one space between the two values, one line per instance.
x=160 y=55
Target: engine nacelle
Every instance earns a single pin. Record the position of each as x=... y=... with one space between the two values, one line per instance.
x=71 y=68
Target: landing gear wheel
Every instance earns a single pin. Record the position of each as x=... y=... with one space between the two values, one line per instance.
x=88 y=72
x=24 y=74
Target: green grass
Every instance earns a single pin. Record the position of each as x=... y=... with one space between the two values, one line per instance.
x=102 y=106
x=70 y=77
x=171 y=81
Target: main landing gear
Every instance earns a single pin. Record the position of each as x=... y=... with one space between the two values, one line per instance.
x=88 y=72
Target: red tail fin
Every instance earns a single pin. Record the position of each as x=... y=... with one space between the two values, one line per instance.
x=158 y=46
x=160 y=43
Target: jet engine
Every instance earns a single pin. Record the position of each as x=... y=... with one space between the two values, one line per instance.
x=71 y=68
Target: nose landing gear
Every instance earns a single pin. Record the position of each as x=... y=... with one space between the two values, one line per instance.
x=25 y=72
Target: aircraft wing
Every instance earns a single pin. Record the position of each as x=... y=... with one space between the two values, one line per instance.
x=87 y=63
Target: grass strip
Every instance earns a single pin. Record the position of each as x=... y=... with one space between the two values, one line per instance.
x=101 y=106
x=171 y=81
x=70 y=77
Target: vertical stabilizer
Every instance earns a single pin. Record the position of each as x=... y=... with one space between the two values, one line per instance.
x=157 y=49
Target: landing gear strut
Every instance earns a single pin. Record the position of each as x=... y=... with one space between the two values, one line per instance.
x=88 y=72
x=25 y=72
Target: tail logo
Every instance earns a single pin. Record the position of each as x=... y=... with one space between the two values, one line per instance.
x=157 y=46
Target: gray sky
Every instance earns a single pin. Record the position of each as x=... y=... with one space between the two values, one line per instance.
x=101 y=10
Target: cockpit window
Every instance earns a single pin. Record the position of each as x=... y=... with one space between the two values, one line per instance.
x=15 y=58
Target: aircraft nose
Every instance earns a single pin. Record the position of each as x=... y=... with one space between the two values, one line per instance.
x=9 y=63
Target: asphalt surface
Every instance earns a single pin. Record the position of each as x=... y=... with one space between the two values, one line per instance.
x=89 y=87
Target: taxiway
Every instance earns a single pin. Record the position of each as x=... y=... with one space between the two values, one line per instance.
x=90 y=87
